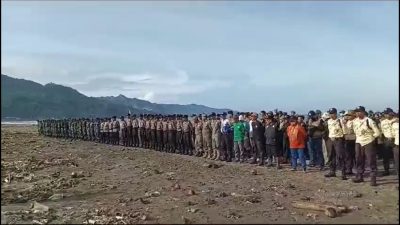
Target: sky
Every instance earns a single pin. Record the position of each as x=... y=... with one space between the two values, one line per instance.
x=247 y=56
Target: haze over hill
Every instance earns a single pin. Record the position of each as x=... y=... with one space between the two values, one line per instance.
x=30 y=100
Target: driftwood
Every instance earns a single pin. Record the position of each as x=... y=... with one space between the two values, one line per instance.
x=330 y=210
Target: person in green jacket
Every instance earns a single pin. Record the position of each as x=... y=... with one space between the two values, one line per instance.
x=238 y=139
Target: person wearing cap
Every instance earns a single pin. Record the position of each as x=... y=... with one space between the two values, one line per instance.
x=97 y=129
x=129 y=134
x=341 y=113
x=297 y=136
x=179 y=135
x=159 y=134
x=336 y=144
x=244 y=118
x=315 y=131
x=318 y=113
x=186 y=133
x=395 y=132
x=349 y=141
x=123 y=130
x=135 y=131
x=198 y=141
x=271 y=132
x=106 y=128
x=283 y=125
x=262 y=116
x=116 y=128
x=164 y=123
x=227 y=138
x=153 y=126
x=258 y=131
x=141 y=131
x=238 y=139
x=101 y=130
x=148 y=132
x=366 y=132
x=388 y=138
x=216 y=136
x=207 y=137
x=172 y=134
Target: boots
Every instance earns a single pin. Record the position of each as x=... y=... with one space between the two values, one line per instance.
x=210 y=156
x=344 y=177
x=358 y=179
x=330 y=174
x=269 y=162
x=373 y=181
x=217 y=155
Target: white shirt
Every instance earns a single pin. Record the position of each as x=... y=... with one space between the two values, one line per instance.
x=223 y=123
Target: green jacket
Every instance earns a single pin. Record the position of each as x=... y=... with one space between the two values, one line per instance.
x=238 y=131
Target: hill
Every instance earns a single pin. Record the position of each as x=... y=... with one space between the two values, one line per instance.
x=26 y=99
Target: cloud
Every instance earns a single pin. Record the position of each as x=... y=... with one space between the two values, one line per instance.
x=167 y=85
x=149 y=96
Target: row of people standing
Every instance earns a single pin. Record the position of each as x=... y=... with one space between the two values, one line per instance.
x=247 y=137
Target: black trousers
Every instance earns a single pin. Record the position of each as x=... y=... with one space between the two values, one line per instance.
x=153 y=138
x=172 y=140
x=350 y=154
x=337 y=155
x=259 y=150
x=165 y=140
x=387 y=152
x=129 y=136
x=396 y=158
x=148 y=138
x=135 y=136
x=159 y=140
x=187 y=147
x=227 y=146
x=179 y=141
x=366 y=157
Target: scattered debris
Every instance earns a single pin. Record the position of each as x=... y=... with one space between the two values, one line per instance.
x=144 y=201
x=222 y=195
x=354 y=208
x=190 y=203
x=77 y=174
x=280 y=208
x=191 y=192
x=186 y=220
x=39 y=208
x=253 y=172
x=312 y=215
x=152 y=194
x=305 y=198
x=56 y=197
x=331 y=211
x=210 y=201
x=192 y=210
x=233 y=215
x=212 y=165
x=143 y=217
x=253 y=199
x=176 y=187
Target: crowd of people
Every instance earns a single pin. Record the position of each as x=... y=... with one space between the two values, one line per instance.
x=353 y=139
